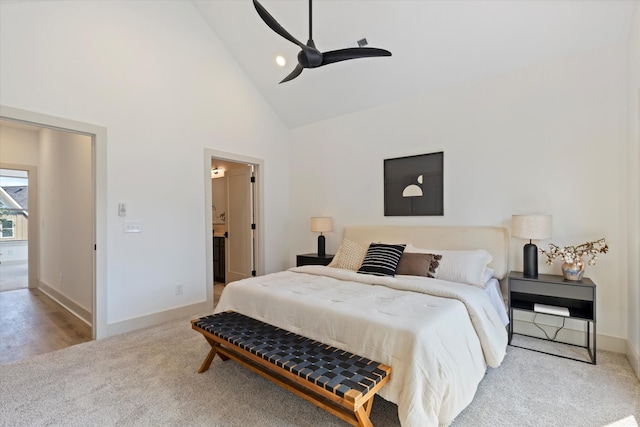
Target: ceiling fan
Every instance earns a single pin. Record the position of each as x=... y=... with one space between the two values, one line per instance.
x=309 y=56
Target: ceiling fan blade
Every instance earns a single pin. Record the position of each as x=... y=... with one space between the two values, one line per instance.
x=352 y=53
x=273 y=24
x=295 y=73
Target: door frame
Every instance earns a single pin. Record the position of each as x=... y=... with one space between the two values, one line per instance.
x=98 y=136
x=258 y=164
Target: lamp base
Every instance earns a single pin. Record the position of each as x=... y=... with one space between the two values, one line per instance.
x=530 y=260
x=321 y=251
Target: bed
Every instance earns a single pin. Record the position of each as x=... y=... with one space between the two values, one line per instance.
x=437 y=333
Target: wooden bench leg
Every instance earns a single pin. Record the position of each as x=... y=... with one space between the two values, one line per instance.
x=212 y=354
x=362 y=415
x=212 y=343
x=368 y=405
x=207 y=361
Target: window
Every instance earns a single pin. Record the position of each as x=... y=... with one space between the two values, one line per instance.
x=7 y=228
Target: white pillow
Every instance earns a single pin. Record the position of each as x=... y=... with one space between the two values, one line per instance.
x=350 y=255
x=464 y=266
x=488 y=274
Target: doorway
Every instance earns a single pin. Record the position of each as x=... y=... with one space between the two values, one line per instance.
x=14 y=231
x=233 y=218
x=94 y=312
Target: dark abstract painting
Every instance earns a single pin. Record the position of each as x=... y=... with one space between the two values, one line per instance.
x=413 y=185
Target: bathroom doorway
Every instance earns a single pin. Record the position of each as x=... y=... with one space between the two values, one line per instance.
x=235 y=220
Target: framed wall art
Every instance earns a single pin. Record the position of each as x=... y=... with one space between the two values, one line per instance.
x=413 y=186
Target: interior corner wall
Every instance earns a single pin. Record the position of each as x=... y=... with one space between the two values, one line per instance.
x=544 y=139
x=633 y=141
x=66 y=218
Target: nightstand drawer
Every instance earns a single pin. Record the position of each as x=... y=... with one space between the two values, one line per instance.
x=552 y=289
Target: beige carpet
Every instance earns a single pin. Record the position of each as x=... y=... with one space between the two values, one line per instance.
x=148 y=378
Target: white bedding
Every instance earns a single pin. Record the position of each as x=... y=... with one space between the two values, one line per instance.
x=492 y=288
x=438 y=337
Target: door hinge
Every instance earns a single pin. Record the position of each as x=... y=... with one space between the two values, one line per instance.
x=95 y=247
x=226 y=234
x=253 y=179
x=253 y=273
x=253 y=226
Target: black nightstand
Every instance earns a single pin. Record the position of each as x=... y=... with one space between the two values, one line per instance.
x=552 y=290
x=313 y=259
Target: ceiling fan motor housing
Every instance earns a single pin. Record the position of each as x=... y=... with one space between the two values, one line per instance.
x=311 y=57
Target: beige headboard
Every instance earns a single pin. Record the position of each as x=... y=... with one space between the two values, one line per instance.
x=493 y=239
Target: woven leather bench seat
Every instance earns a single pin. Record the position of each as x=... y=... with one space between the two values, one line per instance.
x=335 y=380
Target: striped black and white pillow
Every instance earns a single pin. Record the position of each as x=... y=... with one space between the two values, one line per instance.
x=381 y=259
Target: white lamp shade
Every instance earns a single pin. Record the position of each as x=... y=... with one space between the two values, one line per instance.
x=531 y=227
x=321 y=224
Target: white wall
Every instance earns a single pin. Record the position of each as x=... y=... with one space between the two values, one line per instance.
x=545 y=139
x=165 y=88
x=18 y=146
x=66 y=216
x=633 y=186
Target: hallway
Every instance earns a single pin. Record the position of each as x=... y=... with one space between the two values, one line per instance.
x=31 y=323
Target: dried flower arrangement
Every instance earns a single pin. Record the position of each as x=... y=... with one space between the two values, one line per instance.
x=574 y=254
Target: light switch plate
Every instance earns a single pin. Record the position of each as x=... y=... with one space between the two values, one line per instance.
x=133 y=226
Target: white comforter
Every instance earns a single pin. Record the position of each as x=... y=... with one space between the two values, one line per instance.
x=438 y=338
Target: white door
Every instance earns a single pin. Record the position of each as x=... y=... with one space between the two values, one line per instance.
x=239 y=247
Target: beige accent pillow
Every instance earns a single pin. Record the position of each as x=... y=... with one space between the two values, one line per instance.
x=418 y=264
x=350 y=255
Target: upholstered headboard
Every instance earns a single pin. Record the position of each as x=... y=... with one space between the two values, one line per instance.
x=493 y=239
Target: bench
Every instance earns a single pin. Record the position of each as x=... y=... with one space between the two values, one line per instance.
x=335 y=380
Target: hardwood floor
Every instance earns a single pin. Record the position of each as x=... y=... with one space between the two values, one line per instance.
x=218 y=287
x=31 y=323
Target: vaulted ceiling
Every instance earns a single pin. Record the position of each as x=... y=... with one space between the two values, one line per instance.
x=435 y=44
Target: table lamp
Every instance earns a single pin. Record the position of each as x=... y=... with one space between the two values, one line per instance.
x=531 y=227
x=320 y=224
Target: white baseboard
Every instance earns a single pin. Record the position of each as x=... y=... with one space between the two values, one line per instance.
x=129 y=324
x=157 y=318
x=633 y=358
x=70 y=305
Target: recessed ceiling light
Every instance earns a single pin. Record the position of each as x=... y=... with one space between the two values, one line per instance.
x=281 y=61
x=217 y=173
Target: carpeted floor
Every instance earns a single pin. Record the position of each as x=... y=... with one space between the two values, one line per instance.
x=148 y=378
